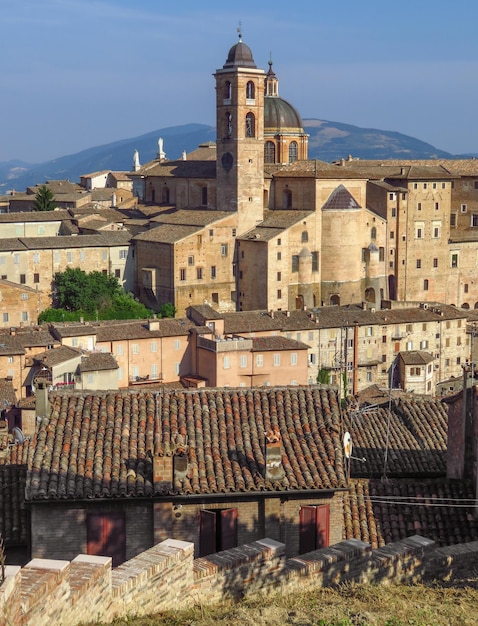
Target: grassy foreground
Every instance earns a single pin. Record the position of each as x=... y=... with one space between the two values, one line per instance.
x=349 y=605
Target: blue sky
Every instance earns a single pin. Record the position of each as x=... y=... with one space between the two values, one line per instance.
x=80 y=73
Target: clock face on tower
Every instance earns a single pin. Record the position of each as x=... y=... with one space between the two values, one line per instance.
x=227 y=161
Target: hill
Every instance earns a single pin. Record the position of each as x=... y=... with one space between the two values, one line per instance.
x=328 y=141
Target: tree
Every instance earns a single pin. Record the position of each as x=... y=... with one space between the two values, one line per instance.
x=91 y=296
x=44 y=200
x=167 y=310
x=76 y=290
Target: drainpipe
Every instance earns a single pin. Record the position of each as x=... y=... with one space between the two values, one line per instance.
x=355 y=361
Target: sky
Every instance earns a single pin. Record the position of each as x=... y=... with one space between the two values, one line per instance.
x=76 y=74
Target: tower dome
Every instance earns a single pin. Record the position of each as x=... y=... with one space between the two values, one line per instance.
x=284 y=136
x=240 y=55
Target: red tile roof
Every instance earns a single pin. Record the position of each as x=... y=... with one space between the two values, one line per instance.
x=102 y=445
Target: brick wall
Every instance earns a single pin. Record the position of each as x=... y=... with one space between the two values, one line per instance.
x=166 y=577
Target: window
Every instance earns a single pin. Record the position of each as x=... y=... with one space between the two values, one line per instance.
x=119 y=350
x=304 y=237
x=425 y=185
x=293 y=358
x=226 y=363
x=250 y=125
x=24 y=316
x=217 y=530
x=381 y=254
x=415 y=371
x=224 y=249
x=123 y=254
x=423 y=344
x=369 y=331
x=474 y=220
x=213 y=271
x=177 y=344
x=16 y=259
x=415 y=185
x=435 y=262
x=154 y=371
x=154 y=346
x=463 y=208
x=425 y=284
x=279 y=276
x=419 y=228
x=454 y=259
x=437 y=206
x=135 y=348
x=287 y=199
x=315 y=261
x=259 y=360
x=204 y=196
x=419 y=264
x=295 y=262
x=436 y=228
x=176 y=368
x=117 y=273
x=69 y=256
x=452 y=219
x=191 y=260
x=250 y=90
x=276 y=360
x=279 y=241
x=394 y=212
x=36 y=258
x=243 y=361
x=279 y=294
x=227 y=90
x=24 y=296
x=314 y=523
x=269 y=152
x=419 y=206
x=215 y=297
x=373 y=233
x=23 y=279
x=292 y=151
x=392 y=235
x=182 y=274
x=199 y=273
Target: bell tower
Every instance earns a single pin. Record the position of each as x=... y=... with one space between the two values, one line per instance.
x=240 y=137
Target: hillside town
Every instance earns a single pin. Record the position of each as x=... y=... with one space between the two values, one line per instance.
x=315 y=387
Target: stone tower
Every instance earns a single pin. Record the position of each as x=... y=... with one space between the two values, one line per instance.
x=240 y=137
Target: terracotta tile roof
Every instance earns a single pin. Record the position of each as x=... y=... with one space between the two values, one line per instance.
x=101 y=445
x=111 y=330
x=10 y=345
x=417 y=438
x=383 y=511
x=168 y=233
x=190 y=168
x=97 y=361
x=416 y=357
x=13 y=515
x=53 y=357
x=35 y=216
x=7 y=393
x=264 y=344
x=35 y=336
x=109 y=239
x=274 y=223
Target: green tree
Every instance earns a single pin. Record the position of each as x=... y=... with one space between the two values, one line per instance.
x=76 y=290
x=323 y=377
x=167 y=310
x=44 y=200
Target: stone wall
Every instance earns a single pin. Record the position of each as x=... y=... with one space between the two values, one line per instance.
x=167 y=577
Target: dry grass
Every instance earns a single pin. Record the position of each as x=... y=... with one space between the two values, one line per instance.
x=348 y=605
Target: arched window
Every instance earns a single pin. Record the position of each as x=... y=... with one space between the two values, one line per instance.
x=465 y=305
x=250 y=125
x=425 y=284
x=335 y=300
x=370 y=294
x=250 y=90
x=227 y=90
x=476 y=305
x=165 y=195
x=304 y=237
x=292 y=151
x=269 y=152
x=373 y=233
x=228 y=124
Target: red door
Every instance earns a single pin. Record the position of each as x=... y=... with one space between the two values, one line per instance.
x=314 y=527
x=106 y=536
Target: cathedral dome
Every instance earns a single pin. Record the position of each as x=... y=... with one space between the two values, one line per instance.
x=280 y=114
x=239 y=55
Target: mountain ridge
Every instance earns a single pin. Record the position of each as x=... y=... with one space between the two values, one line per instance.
x=328 y=141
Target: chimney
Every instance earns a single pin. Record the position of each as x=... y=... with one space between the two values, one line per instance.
x=162 y=473
x=42 y=404
x=274 y=468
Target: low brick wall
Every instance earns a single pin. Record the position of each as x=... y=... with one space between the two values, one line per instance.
x=167 y=577
x=239 y=572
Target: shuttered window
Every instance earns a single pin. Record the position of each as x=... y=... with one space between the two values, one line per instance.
x=217 y=530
